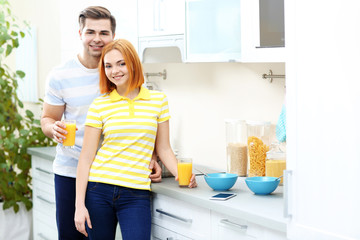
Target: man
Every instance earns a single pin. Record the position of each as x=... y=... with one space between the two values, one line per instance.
x=70 y=90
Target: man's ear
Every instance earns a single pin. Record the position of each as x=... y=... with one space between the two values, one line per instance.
x=80 y=33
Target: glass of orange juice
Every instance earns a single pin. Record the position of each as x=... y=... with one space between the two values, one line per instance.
x=69 y=141
x=184 y=171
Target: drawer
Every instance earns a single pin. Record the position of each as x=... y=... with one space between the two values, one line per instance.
x=226 y=227
x=158 y=232
x=43 y=197
x=42 y=170
x=181 y=217
x=43 y=229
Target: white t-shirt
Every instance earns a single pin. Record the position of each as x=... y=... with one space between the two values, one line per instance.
x=74 y=86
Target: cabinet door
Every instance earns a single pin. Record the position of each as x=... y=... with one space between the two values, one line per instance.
x=262 y=31
x=213 y=30
x=161 y=17
x=323 y=130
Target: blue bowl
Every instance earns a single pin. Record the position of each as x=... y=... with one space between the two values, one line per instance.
x=221 y=181
x=262 y=185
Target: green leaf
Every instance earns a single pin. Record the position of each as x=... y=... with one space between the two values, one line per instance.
x=9 y=49
x=15 y=43
x=22 y=34
x=21 y=74
x=29 y=114
x=13 y=33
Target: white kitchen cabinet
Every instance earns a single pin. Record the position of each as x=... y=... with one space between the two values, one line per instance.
x=213 y=31
x=161 y=17
x=262 y=31
x=176 y=219
x=323 y=116
x=44 y=208
x=44 y=216
x=227 y=227
x=161 y=25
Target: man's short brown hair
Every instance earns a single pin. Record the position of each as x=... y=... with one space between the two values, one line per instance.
x=96 y=12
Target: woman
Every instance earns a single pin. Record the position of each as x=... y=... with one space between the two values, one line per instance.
x=113 y=184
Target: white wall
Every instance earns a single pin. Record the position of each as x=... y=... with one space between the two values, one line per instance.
x=202 y=95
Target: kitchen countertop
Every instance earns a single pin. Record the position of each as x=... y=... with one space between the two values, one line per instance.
x=263 y=210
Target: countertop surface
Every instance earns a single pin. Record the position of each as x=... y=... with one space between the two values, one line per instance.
x=263 y=210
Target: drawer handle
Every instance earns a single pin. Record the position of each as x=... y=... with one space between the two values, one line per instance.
x=45 y=200
x=174 y=216
x=227 y=222
x=44 y=171
x=42 y=236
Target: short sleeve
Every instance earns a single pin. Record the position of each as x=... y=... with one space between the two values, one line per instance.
x=53 y=95
x=93 y=118
x=164 y=114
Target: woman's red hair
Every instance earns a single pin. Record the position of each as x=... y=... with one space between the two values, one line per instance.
x=132 y=61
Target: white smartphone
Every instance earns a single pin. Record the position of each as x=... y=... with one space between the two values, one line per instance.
x=222 y=196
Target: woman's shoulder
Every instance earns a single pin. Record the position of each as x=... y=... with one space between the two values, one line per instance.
x=157 y=94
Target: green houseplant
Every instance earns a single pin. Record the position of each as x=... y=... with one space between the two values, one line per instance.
x=18 y=127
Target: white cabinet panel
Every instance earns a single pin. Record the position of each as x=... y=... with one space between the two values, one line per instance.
x=226 y=227
x=182 y=218
x=213 y=31
x=251 y=49
x=161 y=17
x=323 y=122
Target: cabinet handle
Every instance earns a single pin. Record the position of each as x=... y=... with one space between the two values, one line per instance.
x=44 y=171
x=173 y=216
x=227 y=222
x=287 y=174
x=42 y=236
x=45 y=200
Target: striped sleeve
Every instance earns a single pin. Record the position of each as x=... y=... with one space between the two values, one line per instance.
x=93 y=118
x=164 y=114
x=52 y=92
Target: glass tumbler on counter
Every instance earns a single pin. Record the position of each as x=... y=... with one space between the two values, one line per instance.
x=258 y=138
x=236 y=148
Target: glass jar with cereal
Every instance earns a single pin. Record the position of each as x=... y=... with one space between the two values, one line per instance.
x=258 y=138
x=236 y=147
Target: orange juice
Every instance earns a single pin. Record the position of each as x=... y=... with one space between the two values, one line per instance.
x=69 y=141
x=184 y=172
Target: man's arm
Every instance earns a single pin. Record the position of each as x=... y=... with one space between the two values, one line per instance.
x=51 y=124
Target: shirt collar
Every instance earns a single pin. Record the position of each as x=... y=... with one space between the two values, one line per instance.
x=143 y=94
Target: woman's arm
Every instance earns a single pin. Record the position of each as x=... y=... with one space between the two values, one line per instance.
x=87 y=155
x=165 y=153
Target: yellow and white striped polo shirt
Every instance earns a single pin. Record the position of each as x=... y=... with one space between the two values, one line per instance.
x=129 y=128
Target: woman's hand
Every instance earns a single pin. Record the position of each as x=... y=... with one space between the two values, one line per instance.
x=82 y=216
x=192 y=183
x=154 y=166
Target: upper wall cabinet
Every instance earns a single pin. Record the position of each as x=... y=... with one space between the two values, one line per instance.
x=161 y=28
x=213 y=31
x=161 y=17
x=262 y=28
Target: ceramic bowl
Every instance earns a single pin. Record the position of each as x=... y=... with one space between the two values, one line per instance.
x=221 y=181
x=262 y=185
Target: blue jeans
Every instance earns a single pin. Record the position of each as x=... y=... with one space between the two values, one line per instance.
x=109 y=204
x=65 y=208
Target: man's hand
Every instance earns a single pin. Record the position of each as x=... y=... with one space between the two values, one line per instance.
x=155 y=175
